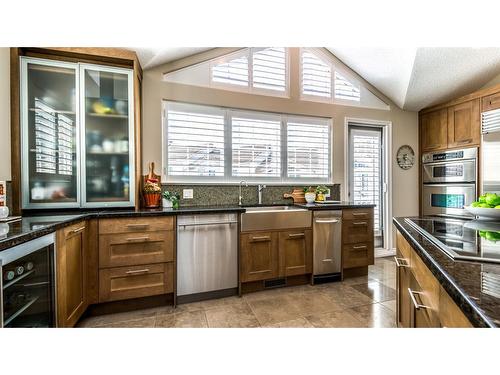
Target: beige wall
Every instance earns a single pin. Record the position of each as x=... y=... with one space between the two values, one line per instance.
x=4 y=114
x=404 y=123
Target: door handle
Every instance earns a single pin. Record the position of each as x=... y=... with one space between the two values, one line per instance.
x=358 y=247
x=360 y=214
x=78 y=230
x=131 y=272
x=326 y=221
x=417 y=305
x=359 y=223
x=398 y=260
x=137 y=239
x=296 y=235
x=137 y=225
x=261 y=238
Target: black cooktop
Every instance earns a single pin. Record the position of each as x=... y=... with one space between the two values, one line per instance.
x=472 y=240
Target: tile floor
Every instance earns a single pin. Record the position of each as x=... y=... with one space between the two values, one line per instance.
x=367 y=301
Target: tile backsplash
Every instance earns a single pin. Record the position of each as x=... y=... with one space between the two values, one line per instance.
x=222 y=195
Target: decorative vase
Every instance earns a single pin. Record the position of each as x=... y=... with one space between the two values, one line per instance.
x=310 y=197
x=167 y=203
x=152 y=200
x=320 y=197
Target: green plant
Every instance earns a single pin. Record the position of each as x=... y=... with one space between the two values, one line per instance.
x=322 y=189
x=309 y=189
x=172 y=197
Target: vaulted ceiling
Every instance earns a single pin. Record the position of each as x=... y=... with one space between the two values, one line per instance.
x=413 y=78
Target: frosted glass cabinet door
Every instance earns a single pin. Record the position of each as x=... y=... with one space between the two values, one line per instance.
x=49 y=134
x=107 y=117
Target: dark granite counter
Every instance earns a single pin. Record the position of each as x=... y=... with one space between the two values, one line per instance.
x=334 y=206
x=462 y=280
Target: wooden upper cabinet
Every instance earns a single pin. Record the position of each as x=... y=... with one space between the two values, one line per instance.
x=490 y=102
x=464 y=124
x=434 y=130
x=71 y=266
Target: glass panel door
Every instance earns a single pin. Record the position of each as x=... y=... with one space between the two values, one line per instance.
x=106 y=95
x=49 y=133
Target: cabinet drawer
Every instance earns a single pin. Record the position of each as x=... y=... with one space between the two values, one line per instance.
x=358 y=254
x=427 y=286
x=490 y=102
x=356 y=231
x=450 y=314
x=135 y=224
x=404 y=249
x=357 y=214
x=135 y=248
x=134 y=282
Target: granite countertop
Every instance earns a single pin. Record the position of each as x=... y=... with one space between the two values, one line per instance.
x=37 y=224
x=460 y=279
x=334 y=206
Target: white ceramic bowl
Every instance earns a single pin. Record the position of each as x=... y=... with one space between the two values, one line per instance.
x=4 y=212
x=310 y=197
x=484 y=213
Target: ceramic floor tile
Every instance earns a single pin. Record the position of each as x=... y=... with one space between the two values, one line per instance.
x=378 y=292
x=232 y=316
x=335 y=319
x=382 y=271
x=356 y=280
x=93 y=321
x=274 y=310
x=209 y=304
x=186 y=319
x=136 y=323
x=391 y=283
x=314 y=302
x=296 y=323
x=345 y=296
x=391 y=305
x=375 y=316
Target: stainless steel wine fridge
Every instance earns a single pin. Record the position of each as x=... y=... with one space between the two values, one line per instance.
x=27 y=297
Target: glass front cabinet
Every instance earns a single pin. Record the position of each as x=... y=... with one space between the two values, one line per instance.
x=77 y=135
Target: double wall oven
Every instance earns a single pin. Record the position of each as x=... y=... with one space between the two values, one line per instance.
x=449 y=182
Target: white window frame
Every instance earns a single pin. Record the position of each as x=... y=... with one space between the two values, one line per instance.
x=228 y=178
x=331 y=100
x=248 y=52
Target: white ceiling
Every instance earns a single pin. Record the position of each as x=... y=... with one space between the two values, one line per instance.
x=413 y=78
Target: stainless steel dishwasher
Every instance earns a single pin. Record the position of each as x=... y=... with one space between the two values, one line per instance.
x=327 y=245
x=207 y=256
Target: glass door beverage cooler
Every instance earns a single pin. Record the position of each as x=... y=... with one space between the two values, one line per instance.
x=27 y=284
x=77 y=135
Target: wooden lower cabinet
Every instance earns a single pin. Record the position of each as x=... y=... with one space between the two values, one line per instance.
x=421 y=300
x=274 y=254
x=71 y=265
x=358 y=250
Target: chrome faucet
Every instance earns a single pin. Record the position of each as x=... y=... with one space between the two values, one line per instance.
x=259 y=189
x=239 y=198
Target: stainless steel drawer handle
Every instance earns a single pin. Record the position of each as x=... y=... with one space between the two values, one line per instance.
x=137 y=225
x=75 y=231
x=296 y=235
x=261 y=238
x=358 y=247
x=401 y=262
x=359 y=223
x=137 y=239
x=417 y=305
x=326 y=221
x=360 y=214
x=211 y=223
x=131 y=272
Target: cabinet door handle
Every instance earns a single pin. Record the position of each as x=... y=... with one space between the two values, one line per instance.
x=417 y=305
x=296 y=235
x=359 y=223
x=261 y=238
x=131 y=272
x=137 y=239
x=326 y=221
x=137 y=225
x=399 y=262
x=78 y=230
x=360 y=214
x=465 y=141
x=358 y=247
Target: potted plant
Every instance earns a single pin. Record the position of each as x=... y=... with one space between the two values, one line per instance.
x=171 y=200
x=152 y=194
x=310 y=194
x=320 y=192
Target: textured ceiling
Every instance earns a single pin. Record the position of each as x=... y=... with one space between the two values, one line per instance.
x=421 y=77
x=413 y=78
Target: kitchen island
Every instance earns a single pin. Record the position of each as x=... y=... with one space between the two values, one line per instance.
x=453 y=292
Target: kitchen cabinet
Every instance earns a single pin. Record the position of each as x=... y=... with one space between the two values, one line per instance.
x=259 y=256
x=71 y=266
x=490 y=102
x=464 y=124
x=434 y=130
x=421 y=300
x=77 y=133
x=296 y=252
x=357 y=238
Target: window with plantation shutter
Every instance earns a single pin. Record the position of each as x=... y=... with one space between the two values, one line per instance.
x=316 y=75
x=345 y=90
x=195 y=140
x=269 y=68
x=256 y=145
x=308 y=148
x=234 y=71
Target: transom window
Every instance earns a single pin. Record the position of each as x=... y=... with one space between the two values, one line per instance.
x=203 y=144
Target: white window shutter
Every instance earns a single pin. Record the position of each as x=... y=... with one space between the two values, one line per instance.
x=269 y=68
x=316 y=75
x=345 y=90
x=233 y=71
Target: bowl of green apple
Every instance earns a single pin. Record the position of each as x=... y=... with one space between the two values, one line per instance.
x=487 y=207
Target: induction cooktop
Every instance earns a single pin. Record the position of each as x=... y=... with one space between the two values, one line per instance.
x=471 y=240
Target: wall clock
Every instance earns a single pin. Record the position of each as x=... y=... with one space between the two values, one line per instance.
x=405 y=157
